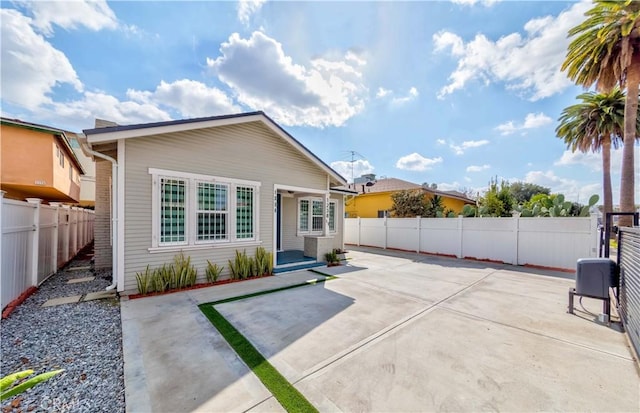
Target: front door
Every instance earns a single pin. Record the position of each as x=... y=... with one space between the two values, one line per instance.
x=278 y=222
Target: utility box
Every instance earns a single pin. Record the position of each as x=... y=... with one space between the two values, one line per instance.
x=594 y=276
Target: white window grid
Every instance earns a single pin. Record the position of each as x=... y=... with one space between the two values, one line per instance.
x=248 y=191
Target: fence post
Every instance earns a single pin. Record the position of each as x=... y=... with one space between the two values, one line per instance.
x=358 y=241
x=56 y=219
x=419 y=229
x=386 y=232
x=595 y=237
x=460 y=237
x=516 y=233
x=67 y=227
x=1 y=228
x=35 y=239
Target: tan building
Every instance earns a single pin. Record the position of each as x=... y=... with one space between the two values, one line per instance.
x=37 y=161
x=209 y=187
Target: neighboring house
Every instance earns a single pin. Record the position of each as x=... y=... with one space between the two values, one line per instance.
x=88 y=180
x=37 y=161
x=208 y=187
x=374 y=197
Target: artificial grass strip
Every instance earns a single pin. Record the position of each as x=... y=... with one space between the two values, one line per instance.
x=287 y=395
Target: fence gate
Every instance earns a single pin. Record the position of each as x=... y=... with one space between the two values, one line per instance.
x=629 y=259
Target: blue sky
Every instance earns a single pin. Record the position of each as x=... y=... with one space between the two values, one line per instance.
x=448 y=92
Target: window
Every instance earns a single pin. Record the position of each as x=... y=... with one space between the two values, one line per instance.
x=244 y=212
x=317 y=216
x=173 y=211
x=311 y=215
x=61 y=159
x=191 y=209
x=383 y=213
x=212 y=211
x=303 y=225
x=71 y=174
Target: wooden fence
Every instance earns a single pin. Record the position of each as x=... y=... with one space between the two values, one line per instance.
x=36 y=241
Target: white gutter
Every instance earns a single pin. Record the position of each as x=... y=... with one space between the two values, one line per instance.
x=114 y=209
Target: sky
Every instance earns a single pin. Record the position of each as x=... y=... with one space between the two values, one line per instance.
x=447 y=92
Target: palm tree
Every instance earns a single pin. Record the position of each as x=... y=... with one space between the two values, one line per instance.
x=595 y=124
x=606 y=51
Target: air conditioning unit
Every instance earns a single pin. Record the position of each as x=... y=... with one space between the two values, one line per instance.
x=594 y=277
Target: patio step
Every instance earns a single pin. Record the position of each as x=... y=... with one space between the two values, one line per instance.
x=297 y=266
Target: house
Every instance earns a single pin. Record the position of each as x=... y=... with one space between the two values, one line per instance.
x=207 y=187
x=88 y=180
x=37 y=161
x=373 y=199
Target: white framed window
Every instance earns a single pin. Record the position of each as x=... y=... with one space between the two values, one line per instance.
x=200 y=210
x=311 y=213
x=61 y=159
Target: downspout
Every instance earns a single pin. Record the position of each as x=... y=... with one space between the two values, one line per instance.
x=114 y=209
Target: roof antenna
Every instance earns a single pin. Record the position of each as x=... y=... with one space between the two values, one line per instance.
x=354 y=157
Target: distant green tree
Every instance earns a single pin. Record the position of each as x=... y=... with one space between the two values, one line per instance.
x=497 y=201
x=408 y=204
x=523 y=191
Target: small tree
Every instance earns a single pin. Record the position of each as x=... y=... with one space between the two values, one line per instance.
x=497 y=201
x=523 y=191
x=408 y=204
x=434 y=206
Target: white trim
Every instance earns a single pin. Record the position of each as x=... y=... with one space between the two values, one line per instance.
x=201 y=177
x=299 y=189
x=178 y=248
x=120 y=215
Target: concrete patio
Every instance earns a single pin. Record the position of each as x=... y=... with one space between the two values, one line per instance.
x=396 y=332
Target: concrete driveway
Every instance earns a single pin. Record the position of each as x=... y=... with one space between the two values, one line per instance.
x=396 y=332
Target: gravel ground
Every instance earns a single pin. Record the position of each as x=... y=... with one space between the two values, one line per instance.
x=84 y=338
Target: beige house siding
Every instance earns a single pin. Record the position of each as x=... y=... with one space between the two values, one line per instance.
x=102 y=223
x=248 y=151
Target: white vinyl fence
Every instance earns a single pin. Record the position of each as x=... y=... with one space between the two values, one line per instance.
x=545 y=242
x=36 y=241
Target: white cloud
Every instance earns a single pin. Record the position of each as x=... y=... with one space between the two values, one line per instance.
x=592 y=160
x=100 y=105
x=350 y=170
x=529 y=63
x=441 y=142
x=411 y=95
x=189 y=97
x=94 y=15
x=382 y=92
x=31 y=67
x=572 y=190
x=487 y=3
x=326 y=93
x=459 y=149
x=531 y=121
x=478 y=168
x=247 y=8
x=417 y=162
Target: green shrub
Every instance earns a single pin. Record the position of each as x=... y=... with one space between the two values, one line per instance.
x=263 y=262
x=242 y=267
x=331 y=257
x=185 y=273
x=144 y=280
x=213 y=271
